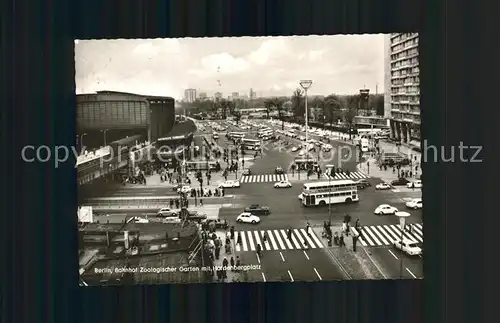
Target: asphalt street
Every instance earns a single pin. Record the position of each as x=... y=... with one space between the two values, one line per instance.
x=287 y=211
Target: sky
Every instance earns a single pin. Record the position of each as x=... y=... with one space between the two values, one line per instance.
x=271 y=66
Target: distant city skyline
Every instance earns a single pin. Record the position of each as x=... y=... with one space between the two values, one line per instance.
x=271 y=66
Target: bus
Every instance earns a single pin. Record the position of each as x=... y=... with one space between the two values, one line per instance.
x=252 y=144
x=302 y=162
x=200 y=165
x=329 y=192
x=363 y=143
x=236 y=135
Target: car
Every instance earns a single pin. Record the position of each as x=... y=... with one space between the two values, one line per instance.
x=363 y=183
x=247 y=217
x=415 y=184
x=382 y=186
x=385 y=209
x=300 y=196
x=184 y=189
x=258 y=209
x=247 y=172
x=196 y=216
x=137 y=219
x=294 y=149
x=409 y=247
x=229 y=184
x=217 y=223
x=400 y=182
x=278 y=170
x=167 y=212
x=414 y=204
x=283 y=184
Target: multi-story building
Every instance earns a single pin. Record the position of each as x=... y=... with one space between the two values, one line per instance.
x=252 y=95
x=218 y=95
x=402 y=68
x=202 y=96
x=190 y=95
x=235 y=95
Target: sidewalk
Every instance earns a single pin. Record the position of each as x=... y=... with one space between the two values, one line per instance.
x=232 y=276
x=359 y=264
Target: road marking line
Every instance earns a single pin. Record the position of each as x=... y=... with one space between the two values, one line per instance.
x=393 y=254
x=305 y=253
x=270 y=236
x=282 y=258
x=282 y=246
x=263 y=277
x=258 y=258
x=408 y=270
x=257 y=239
x=309 y=241
x=291 y=277
x=295 y=242
x=244 y=240
x=287 y=241
x=250 y=240
x=316 y=239
x=317 y=274
x=374 y=237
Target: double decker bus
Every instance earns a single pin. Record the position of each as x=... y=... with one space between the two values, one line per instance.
x=236 y=135
x=329 y=192
x=251 y=144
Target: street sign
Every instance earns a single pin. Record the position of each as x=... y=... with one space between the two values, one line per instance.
x=402 y=223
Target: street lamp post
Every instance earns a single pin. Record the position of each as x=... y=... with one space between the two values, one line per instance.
x=104 y=135
x=402 y=222
x=81 y=143
x=306 y=84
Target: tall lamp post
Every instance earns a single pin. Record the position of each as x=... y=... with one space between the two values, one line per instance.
x=104 y=135
x=402 y=222
x=81 y=142
x=306 y=84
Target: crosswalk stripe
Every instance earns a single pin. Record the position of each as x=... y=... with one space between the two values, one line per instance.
x=265 y=242
x=257 y=239
x=367 y=238
x=270 y=236
x=286 y=177
x=264 y=178
x=309 y=241
x=415 y=227
x=250 y=241
x=294 y=239
x=282 y=246
x=373 y=236
x=316 y=239
x=396 y=234
x=287 y=241
x=352 y=175
x=387 y=235
x=244 y=240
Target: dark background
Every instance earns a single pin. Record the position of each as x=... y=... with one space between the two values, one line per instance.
x=39 y=275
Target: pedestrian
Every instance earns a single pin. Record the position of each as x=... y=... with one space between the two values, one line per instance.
x=238 y=263
x=232 y=231
x=264 y=237
x=217 y=252
x=336 y=239
x=231 y=261
x=356 y=225
x=238 y=240
x=201 y=202
x=308 y=229
x=341 y=240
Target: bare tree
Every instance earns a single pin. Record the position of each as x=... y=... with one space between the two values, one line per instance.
x=298 y=104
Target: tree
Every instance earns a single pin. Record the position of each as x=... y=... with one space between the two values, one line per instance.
x=317 y=108
x=298 y=104
x=332 y=107
x=351 y=110
x=278 y=103
x=377 y=104
x=268 y=103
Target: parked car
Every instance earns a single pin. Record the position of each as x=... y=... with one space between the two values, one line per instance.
x=414 y=204
x=247 y=172
x=385 y=209
x=247 y=217
x=229 y=184
x=278 y=170
x=382 y=186
x=167 y=212
x=258 y=209
x=196 y=216
x=218 y=223
x=415 y=184
x=363 y=183
x=399 y=182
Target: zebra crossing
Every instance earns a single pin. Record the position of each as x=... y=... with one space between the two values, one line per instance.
x=263 y=178
x=276 y=240
x=352 y=175
x=385 y=235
